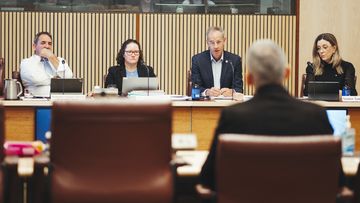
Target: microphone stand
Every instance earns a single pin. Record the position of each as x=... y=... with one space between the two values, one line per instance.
x=63 y=80
x=233 y=78
x=148 y=77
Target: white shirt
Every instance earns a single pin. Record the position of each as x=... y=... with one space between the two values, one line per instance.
x=36 y=74
x=216 y=69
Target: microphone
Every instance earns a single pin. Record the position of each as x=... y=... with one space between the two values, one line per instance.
x=148 y=77
x=63 y=80
x=233 y=78
x=310 y=64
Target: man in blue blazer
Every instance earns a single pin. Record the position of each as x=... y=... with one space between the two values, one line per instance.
x=217 y=72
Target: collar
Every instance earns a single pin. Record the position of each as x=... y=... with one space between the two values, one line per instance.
x=271 y=89
x=213 y=60
x=36 y=57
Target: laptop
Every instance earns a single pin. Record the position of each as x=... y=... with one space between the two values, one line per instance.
x=323 y=90
x=337 y=119
x=143 y=83
x=67 y=85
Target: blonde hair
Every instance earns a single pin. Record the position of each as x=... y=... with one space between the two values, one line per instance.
x=215 y=28
x=335 y=59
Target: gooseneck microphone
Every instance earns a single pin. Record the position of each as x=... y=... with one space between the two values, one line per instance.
x=233 y=78
x=310 y=64
x=63 y=80
x=148 y=77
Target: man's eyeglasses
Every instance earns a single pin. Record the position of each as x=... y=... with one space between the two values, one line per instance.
x=133 y=52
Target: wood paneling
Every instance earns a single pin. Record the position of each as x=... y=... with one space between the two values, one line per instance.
x=20 y=123
x=170 y=40
x=90 y=41
x=335 y=16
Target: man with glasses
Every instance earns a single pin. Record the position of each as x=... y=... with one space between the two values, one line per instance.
x=36 y=72
x=215 y=71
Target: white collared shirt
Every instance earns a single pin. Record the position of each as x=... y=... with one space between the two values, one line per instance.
x=216 y=69
x=36 y=74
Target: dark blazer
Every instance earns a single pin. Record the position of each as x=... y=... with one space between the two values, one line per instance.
x=202 y=75
x=116 y=74
x=272 y=111
x=330 y=74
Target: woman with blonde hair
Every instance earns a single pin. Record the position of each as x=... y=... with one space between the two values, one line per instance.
x=328 y=65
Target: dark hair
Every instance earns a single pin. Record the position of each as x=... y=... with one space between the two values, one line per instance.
x=120 y=56
x=36 y=39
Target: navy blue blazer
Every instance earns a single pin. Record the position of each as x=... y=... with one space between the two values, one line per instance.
x=116 y=74
x=202 y=75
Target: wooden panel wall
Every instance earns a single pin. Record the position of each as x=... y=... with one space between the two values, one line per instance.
x=169 y=41
x=90 y=41
x=343 y=24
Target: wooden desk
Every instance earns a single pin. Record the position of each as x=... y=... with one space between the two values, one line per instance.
x=199 y=117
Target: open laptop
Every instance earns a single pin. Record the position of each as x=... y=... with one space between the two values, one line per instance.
x=323 y=90
x=143 y=83
x=337 y=119
x=67 y=85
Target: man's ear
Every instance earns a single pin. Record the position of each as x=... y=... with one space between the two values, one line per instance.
x=249 y=79
x=286 y=73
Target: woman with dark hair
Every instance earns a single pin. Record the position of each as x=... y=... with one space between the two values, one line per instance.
x=328 y=65
x=130 y=64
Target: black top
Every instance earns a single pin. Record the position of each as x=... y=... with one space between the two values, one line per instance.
x=272 y=111
x=202 y=75
x=330 y=74
x=116 y=74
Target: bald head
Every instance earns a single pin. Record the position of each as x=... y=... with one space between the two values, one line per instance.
x=266 y=63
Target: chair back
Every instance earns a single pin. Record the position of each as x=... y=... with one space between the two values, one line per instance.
x=2 y=76
x=111 y=151
x=188 y=83
x=2 y=132
x=303 y=80
x=259 y=169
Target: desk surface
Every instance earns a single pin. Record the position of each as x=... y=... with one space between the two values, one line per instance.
x=214 y=103
x=197 y=158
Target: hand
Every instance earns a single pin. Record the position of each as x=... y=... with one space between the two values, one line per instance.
x=238 y=96
x=46 y=53
x=226 y=92
x=213 y=92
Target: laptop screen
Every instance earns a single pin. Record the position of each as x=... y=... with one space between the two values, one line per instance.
x=323 y=90
x=337 y=118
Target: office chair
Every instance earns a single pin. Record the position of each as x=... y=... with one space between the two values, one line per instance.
x=188 y=83
x=110 y=151
x=277 y=169
x=2 y=75
x=303 y=80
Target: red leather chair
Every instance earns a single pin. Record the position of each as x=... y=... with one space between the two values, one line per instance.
x=111 y=151
x=257 y=169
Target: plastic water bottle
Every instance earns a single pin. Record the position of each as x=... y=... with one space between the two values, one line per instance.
x=346 y=90
x=348 y=139
x=195 y=92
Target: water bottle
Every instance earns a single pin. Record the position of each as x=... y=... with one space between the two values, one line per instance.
x=195 y=92
x=346 y=90
x=348 y=139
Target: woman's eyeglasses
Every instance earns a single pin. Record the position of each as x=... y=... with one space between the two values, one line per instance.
x=133 y=52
